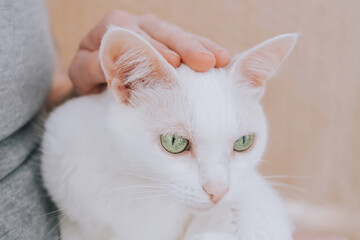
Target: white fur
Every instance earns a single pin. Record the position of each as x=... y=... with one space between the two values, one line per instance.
x=104 y=166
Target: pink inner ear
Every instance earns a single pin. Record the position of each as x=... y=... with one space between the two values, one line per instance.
x=260 y=63
x=256 y=79
x=131 y=64
x=126 y=65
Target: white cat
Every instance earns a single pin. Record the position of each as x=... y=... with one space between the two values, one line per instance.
x=164 y=153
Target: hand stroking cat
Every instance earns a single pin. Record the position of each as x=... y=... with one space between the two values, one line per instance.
x=165 y=153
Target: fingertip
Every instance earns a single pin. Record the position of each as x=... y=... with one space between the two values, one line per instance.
x=222 y=56
x=172 y=57
x=201 y=61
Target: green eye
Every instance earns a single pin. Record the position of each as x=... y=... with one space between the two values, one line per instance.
x=243 y=143
x=173 y=143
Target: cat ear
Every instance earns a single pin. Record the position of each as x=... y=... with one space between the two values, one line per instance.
x=132 y=67
x=260 y=63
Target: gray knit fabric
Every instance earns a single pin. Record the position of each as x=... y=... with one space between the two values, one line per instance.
x=26 y=67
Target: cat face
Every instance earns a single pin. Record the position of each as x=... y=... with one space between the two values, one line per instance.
x=202 y=134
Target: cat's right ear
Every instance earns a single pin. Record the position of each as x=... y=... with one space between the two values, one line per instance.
x=132 y=67
x=257 y=65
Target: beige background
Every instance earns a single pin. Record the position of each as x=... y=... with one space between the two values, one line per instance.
x=313 y=104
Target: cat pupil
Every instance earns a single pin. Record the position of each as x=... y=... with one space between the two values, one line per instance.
x=243 y=138
x=173 y=140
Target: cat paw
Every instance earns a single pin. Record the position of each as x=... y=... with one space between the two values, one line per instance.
x=212 y=236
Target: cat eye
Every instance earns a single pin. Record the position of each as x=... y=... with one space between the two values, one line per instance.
x=174 y=143
x=243 y=143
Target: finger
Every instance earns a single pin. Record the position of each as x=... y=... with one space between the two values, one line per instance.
x=221 y=54
x=86 y=72
x=170 y=56
x=120 y=18
x=87 y=57
x=192 y=52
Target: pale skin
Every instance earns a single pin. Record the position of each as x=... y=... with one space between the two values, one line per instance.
x=173 y=43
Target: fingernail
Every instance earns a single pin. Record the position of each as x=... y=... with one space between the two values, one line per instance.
x=172 y=52
x=223 y=57
x=221 y=49
x=206 y=52
x=174 y=58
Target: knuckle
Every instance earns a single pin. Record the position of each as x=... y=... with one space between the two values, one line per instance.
x=190 y=45
x=163 y=29
x=189 y=50
x=210 y=43
x=116 y=15
x=150 y=17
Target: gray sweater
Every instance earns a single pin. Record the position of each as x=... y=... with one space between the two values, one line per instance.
x=26 y=68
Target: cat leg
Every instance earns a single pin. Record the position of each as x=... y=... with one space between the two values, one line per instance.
x=260 y=214
x=242 y=224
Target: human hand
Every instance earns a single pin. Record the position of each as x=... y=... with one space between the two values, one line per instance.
x=174 y=44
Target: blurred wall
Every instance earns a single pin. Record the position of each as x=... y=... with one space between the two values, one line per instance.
x=313 y=104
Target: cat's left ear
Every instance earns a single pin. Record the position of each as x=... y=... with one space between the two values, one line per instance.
x=133 y=68
x=257 y=65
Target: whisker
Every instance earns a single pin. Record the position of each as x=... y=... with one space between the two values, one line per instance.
x=56 y=226
x=133 y=175
x=298 y=176
x=143 y=198
x=162 y=187
x=117 y=203
x=296 y=190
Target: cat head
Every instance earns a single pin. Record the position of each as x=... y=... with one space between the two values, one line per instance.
x=200 y=133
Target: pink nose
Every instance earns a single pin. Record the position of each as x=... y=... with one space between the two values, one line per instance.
x=215 y=191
